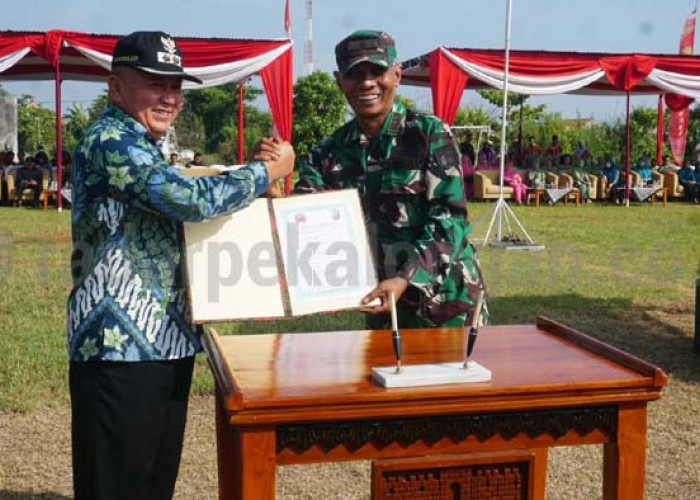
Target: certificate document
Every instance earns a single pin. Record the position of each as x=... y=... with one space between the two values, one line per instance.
x=280 y=257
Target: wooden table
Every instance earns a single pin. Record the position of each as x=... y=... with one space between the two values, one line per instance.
x=664 y=195
x=538 y=192
x=303 y=398
x=45 y=195
x=576 y=194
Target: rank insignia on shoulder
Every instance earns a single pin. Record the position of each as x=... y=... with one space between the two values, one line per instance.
x=446 y=155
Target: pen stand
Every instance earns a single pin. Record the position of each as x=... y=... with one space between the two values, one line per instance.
x=430 y=374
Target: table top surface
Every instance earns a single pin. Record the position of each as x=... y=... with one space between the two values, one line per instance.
x=333 y=368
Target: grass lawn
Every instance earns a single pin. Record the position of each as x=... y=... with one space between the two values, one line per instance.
x=616 y=273
x=624 y=275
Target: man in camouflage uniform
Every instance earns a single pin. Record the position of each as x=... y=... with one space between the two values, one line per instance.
x=406 y=168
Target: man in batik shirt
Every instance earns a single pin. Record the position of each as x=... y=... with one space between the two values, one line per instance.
x=131 y=342
x=406 y=168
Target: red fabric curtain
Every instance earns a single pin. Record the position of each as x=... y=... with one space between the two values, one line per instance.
x=678 y=124
x=625 y=72
x=12 y=42
x=277 y=82
x=678 y=102
x=659 y=130
x=447 y=82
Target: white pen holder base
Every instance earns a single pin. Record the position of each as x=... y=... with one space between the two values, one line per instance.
x=430 y=374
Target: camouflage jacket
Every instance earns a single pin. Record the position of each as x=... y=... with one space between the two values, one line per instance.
x=128 y=300
x=410 y=184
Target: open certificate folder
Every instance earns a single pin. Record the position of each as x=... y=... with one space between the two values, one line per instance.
x=280 y=257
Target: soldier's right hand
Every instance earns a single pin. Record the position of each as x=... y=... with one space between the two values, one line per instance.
x=283 y=165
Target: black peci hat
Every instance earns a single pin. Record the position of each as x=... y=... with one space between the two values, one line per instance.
x=150 y=51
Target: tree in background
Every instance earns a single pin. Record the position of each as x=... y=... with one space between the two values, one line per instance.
x=693 y=137
x=189 y=128
x=407 y=102
x=519 y=114
x=215 y=111
x=76 y=121
x=318 y=109
x=257 y=124
x=36 y=126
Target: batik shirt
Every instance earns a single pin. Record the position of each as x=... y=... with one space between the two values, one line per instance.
x=128 y=301
x=410 y=185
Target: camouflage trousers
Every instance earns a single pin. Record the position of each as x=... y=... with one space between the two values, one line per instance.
x=445 y=305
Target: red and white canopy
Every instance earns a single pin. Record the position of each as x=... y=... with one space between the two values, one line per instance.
x=449 y=71
x=68 y=55
x=87 y=57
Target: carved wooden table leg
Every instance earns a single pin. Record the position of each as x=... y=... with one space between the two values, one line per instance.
x=255 y=463
x=224 y=451
x=625 y=459
x=540 y=474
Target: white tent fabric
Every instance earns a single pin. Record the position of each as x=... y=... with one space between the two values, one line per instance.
x=210 y=75
x=524 y=84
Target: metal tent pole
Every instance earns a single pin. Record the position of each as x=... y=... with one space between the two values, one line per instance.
x=502 y=210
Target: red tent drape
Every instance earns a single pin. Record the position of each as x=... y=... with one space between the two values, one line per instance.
x=625 y=72
x=678 y=124
x=659 y=129
x=60 y=55
x=277 y=82
x=447 y=82
x=278 y=85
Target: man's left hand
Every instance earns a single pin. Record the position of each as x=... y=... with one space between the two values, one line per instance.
x=384 y=289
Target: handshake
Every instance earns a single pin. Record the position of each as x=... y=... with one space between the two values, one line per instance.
x=278 y=156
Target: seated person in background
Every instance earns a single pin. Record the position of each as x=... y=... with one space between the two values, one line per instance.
x=3 y=182
x=582 y=180
x=690 y=180
x=196 y=161
x=482 y=163
x=566 y=164
x=536 y=178
x=467 y=170
x=548 y=165
x=9 y=165
x=8 y=158
x=173 y=160
x=29 y=177
x=553 y=151
x=512 y=178
x=642 y=168
x=668 y=165
x=41 y=160
x=612 y=177
x=67 y=166
x=488 y=152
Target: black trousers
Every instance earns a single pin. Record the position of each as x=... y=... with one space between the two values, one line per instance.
x=128 y=427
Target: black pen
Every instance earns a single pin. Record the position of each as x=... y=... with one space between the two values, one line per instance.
x=395 y=335
x=473 y=330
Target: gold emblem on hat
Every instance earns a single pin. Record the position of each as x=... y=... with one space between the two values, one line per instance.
x=168 y=44
x=170 y=56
